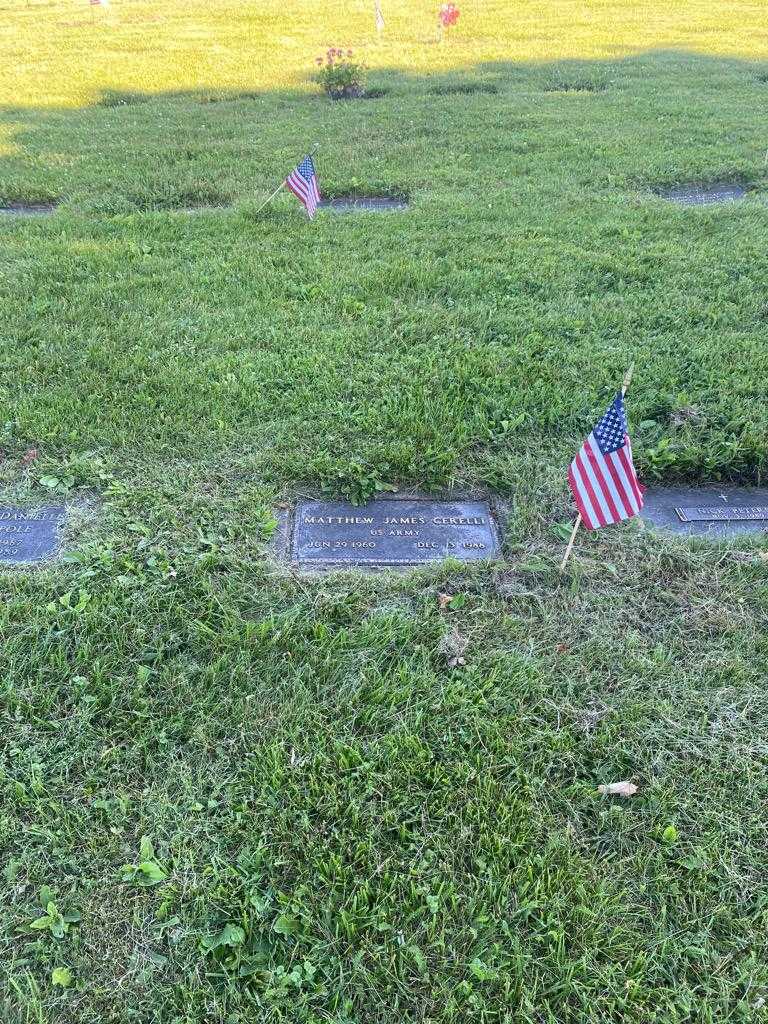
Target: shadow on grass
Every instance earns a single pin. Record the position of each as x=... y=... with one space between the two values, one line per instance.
x=534 y=240
x=172 y=152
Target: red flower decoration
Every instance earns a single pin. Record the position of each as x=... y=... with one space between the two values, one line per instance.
x=448 y=15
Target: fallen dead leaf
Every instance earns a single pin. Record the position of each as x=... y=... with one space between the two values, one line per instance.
x=618 y=789
x=443 y=601
x=29 y=456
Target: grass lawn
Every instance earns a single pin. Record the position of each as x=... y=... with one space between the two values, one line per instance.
x=257 y=797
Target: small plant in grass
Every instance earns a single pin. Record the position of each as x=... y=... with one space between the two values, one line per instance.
x=225 y=945
x=342 y=77
x=357 y=482
x=53 y=921
x=61 y=976
x=147 y=872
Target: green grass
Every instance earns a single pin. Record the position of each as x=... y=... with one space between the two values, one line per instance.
x=340 y=826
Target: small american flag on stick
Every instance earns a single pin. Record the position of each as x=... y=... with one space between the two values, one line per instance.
x=602 y=477
x=302 y=181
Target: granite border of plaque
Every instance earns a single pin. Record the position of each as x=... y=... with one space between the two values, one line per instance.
x=715 y=513
x=30 y=536
x=703 y=195
x=390 y=532
x=365 y=204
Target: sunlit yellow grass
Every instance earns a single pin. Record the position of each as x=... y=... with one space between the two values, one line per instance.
x=64 y=53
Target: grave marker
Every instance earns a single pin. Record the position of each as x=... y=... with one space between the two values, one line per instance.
x=29 y=535
x=371 y=204
x=722 y=515
x=704 y=195
x=20 y=208
x=392 y=532
x=715 y=512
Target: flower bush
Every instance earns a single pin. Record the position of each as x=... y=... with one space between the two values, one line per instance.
x=448 y=15
x=342 y=77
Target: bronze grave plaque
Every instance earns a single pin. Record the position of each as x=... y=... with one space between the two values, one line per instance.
x=392 y=532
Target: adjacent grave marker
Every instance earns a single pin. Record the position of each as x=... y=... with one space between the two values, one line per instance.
x=727 y=514
x=375 y=204
x=704 y=195
x=714 y=512
x=392 y=532
x=19 y=208
x=29 y=535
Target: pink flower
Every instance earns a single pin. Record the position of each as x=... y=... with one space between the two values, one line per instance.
x=448 y=14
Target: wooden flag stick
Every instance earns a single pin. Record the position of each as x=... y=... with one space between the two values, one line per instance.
x=569 y=549
x=577 y=524
x=268 y=201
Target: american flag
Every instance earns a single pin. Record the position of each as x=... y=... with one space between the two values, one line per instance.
x=602 y=476
x=303 y=183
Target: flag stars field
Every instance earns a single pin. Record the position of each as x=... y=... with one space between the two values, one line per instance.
x=473 y=792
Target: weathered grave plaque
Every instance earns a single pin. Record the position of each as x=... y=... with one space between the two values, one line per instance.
x=715 y=512
x=373 y=204
x=17 y=208
x=704 y=195
x=726 y=514
x=29 y=535
x=392 y=532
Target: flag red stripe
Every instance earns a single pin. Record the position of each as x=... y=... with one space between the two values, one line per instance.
x=591 y=513
x=300 y=184
x=622 y=485
x=604 y=484
x=635 y=478
x=299 y=190
x=305 y=191
x=629 y=469
x=626 y=498
x=597 y=467
x=590 y=490
x=629 y=478
x=602 y=511
x=578 y=497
